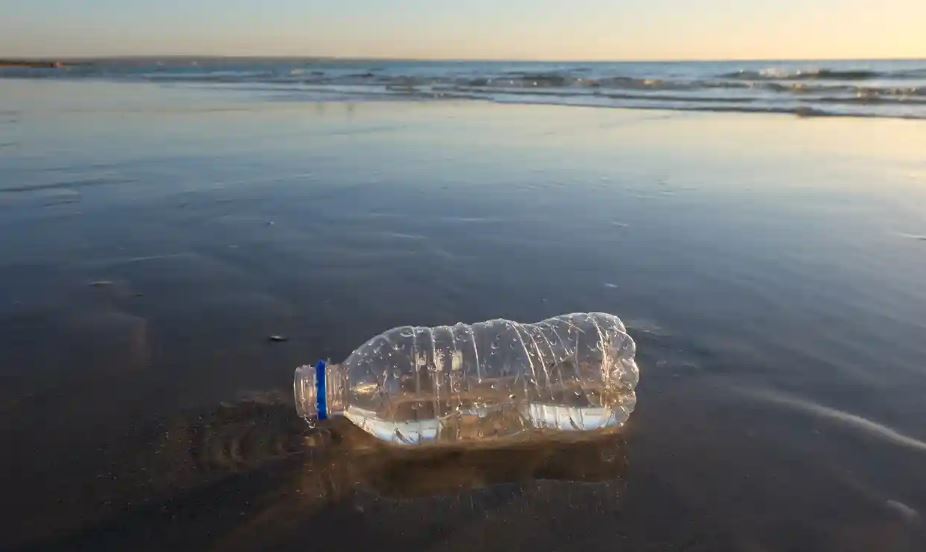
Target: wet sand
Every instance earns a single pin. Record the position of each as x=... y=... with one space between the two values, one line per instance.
x=152 y=238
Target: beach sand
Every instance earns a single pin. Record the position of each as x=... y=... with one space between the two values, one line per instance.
x=152 y=238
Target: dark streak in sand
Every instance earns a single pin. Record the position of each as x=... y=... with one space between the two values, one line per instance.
x=73 y=184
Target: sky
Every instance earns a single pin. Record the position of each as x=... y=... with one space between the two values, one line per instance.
x=468 y=29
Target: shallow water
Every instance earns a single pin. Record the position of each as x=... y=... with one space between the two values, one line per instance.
x=152 y=238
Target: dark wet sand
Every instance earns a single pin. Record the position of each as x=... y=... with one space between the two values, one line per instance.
x=151 y=239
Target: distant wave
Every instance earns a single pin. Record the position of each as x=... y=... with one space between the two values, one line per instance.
x=812 y=74
x=855 y=89
x=778 y=74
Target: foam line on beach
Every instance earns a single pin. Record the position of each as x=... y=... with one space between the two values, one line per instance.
x=842 y=418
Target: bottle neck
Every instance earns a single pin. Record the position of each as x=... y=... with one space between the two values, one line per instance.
x=319 y=391
x=335 y=389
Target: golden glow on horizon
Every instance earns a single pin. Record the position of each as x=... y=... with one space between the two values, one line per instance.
x=480 y=29
x=813 y=32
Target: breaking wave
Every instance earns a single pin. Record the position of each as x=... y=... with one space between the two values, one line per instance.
x=863 y=89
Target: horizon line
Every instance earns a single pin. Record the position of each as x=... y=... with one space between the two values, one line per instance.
x=437 y=60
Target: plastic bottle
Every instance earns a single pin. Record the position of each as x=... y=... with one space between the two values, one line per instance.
x=488 y=381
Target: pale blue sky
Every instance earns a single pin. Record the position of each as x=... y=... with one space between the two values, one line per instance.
x=482 y=29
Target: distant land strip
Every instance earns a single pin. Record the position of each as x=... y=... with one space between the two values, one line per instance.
x=37 y=63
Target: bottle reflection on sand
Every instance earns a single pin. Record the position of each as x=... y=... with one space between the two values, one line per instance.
x=338 y=458
x=355 y=461
x=339 y=470
x=250 y=474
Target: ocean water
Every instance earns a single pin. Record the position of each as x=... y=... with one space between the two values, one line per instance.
x=847 y=88
x=153 y=235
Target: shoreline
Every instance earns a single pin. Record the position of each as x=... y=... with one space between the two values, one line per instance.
x=800 y=114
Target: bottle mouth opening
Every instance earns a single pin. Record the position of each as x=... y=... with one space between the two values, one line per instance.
x=305 y=391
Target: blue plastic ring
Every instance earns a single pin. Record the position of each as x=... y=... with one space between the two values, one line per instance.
x=321 y=386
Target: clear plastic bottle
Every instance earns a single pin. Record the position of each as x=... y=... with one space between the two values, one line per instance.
x=488 y=381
